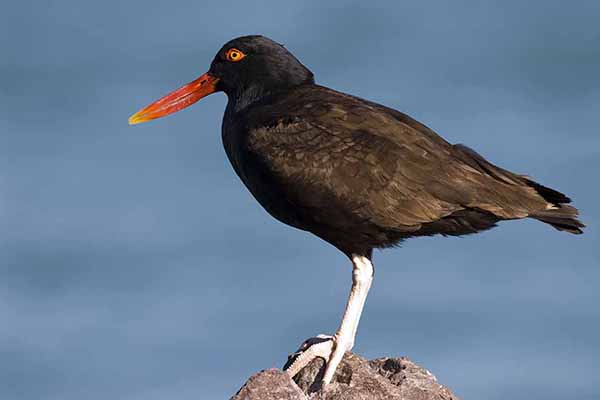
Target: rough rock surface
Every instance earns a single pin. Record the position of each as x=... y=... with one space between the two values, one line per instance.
x=355 y=379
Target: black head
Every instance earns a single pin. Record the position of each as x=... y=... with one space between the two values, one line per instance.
x=246 y=69
x=250 y=67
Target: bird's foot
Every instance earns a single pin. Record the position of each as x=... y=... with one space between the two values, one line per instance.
x=329 y=348
x=318 y=346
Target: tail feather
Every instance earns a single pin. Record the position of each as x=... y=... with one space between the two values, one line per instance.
x=558 y=214
x=550 y=195
x=563 y=218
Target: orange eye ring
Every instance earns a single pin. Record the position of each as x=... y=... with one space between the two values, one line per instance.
x=234 y=55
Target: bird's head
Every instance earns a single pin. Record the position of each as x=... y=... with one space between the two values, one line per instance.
x=246 y=69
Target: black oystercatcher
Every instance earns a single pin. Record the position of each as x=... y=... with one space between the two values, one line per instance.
x=357 y=174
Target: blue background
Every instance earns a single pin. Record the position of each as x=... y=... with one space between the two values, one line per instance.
x=135 y=265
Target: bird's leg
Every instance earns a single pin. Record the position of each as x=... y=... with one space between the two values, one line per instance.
x=332 y=349
x=362 y=276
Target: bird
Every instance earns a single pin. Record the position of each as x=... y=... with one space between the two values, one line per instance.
x=357 y=174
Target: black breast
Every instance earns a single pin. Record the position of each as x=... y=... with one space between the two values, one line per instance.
x=256 y=174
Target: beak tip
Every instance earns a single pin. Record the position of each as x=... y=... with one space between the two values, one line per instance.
x=134 y=120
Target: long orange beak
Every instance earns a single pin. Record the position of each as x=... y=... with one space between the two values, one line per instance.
x=177 y=100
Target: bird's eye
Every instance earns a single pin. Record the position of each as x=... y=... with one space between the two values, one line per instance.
x=234 y=55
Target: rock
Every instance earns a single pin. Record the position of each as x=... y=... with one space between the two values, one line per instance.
x=270 y=384
x=355 y=379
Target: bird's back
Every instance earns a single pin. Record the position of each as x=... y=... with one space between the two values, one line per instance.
x=345 y=166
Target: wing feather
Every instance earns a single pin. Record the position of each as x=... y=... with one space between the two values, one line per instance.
x=377 y=163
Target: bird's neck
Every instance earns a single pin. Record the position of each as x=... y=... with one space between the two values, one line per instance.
x=248 y=95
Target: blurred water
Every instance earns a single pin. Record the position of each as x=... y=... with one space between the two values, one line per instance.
x=134 y=265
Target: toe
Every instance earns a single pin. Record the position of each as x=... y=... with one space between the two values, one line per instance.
x=319 y=346
x=342 y=344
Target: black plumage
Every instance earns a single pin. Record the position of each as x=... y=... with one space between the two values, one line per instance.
x=360 y=175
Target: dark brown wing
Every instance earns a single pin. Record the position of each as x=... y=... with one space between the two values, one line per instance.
x=328 y=149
